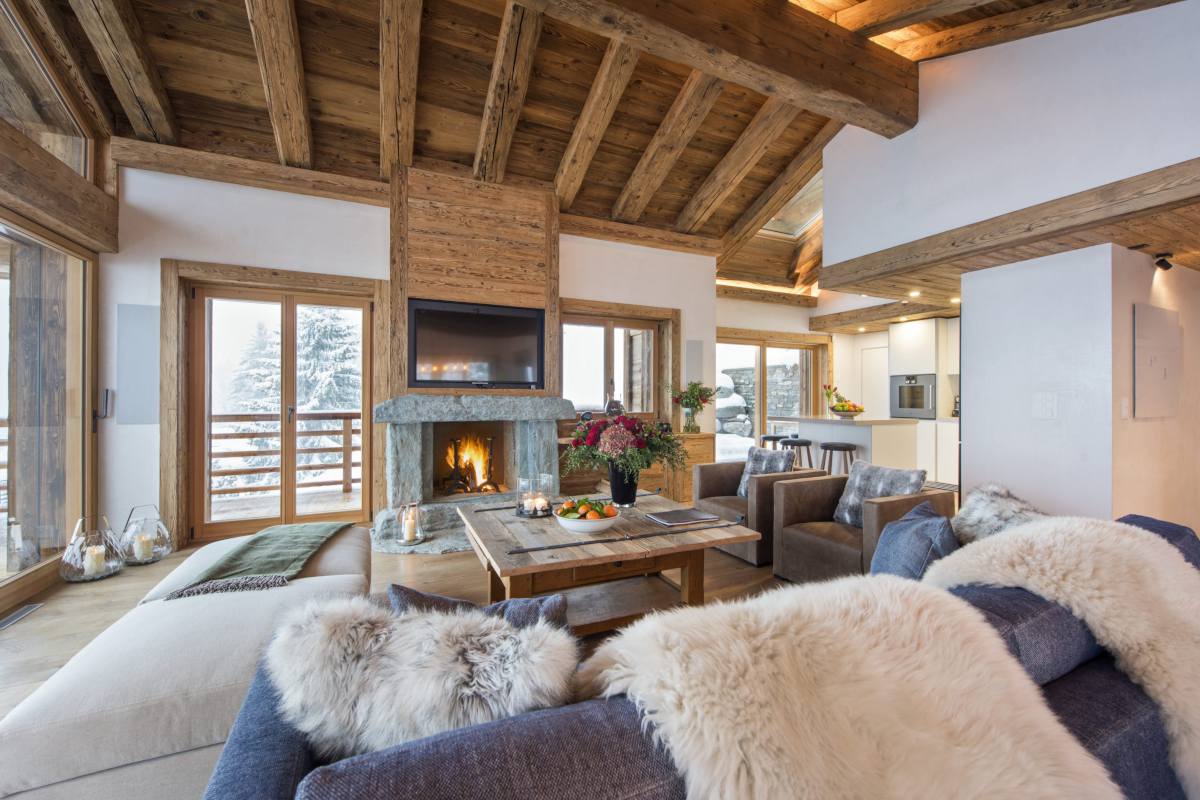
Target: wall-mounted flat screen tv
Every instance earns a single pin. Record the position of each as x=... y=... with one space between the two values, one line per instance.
x=471 y=345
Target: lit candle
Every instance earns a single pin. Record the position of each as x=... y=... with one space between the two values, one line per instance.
x=529 y=505
x=540 y=504
x=93 y=561
x=143 y=547
x=410 y=526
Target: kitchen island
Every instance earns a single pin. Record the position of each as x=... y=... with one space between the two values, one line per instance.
x=886 y=442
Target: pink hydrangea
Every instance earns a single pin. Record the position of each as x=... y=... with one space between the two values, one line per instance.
x=615 y=441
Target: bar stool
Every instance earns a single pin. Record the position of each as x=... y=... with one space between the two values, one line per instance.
x=769 y=439
x=803 y=448
x=845 y=449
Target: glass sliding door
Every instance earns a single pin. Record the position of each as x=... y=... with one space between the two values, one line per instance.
x=44 y=402
x=762 y=388
x=788 y=387
x=737 y=403
x=280 y=435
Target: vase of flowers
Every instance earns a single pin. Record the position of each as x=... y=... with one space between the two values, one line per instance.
x=624 y=446
x=692 y=400
x=830 y=391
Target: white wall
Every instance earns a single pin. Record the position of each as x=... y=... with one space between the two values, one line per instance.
x=763 y=316
x=1156 y=462
x=1017 y=124
x=168 y=216
x=1037 y=344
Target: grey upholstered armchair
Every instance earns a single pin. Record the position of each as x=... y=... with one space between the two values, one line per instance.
x=714 y=489
x=811 y=546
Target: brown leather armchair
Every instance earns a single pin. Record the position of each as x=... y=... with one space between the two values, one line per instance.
x=714 y=489
x=811 y=546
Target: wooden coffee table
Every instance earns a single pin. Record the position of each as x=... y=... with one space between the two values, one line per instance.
x=608 y=583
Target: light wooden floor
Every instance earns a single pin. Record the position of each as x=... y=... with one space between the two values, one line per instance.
x=35 y=647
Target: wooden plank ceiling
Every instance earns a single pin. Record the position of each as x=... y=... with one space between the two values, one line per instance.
x=666 y=128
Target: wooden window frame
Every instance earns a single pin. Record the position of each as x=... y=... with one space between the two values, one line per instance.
x=176 y=447
x=821 y=344
x=667 y=326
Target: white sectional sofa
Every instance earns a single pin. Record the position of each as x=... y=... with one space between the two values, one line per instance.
x=141 y=713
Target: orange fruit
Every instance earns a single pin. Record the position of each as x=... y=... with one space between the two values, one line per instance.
x=593 y=515
x=584 y=509
x=567 y=506
x=610 y=510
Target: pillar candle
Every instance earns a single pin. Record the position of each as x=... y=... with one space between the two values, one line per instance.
x=93 y=561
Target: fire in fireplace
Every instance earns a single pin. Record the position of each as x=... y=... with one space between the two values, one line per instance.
x=471 y=459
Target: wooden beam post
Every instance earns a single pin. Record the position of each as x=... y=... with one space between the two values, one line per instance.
x=277 y=41
x=399 y=51
x=772 y=119
x=611 y=79
x=511 y=70
x=683 y=119
x=876 y=318
x=112 y=28
x=775 y=48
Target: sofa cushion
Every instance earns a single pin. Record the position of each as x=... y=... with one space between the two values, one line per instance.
x=763 y=461
x=347 y=552
x=165 y=678
x=578 y=752
x=520 y=612
x=910 y=544
x=1045 y=637
x=1120 y=725
x=1181 y=536
x=731 y=508
x=867 y=482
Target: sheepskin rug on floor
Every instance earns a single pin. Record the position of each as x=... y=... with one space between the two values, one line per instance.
x=1136 y=592
x=874 y=687
x=355 y=677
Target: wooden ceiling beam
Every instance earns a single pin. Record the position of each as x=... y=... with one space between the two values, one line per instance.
x=399 y=53
x=611 y=79
x=873 y=17
x=766 y=295
x=511 y=70
x=806 y=262
x=277 y=41
x=611 y=231
x=112 y=28
x=775 y=48
x=799 y=171
x=683 y=119
x=1141 y=195
x=876 y=318
x=1052 y=15
x=772 y=119
x=43 y=22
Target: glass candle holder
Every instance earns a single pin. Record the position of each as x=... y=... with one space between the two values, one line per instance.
x=94 y=551
x=410 y=525
x=532 y=500
x=145 y=538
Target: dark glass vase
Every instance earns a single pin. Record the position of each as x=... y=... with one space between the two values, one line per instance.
x=624 y=488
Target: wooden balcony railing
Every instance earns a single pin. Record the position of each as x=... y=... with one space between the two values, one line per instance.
x=344 y=426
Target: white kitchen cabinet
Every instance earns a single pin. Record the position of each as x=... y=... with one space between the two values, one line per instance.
x=927 y=448
x=912 y=347
x=947 y=452
x=952 y=333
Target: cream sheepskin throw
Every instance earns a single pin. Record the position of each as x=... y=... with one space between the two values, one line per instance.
x=1136 y=592
x=355 y=677
x=862 y=687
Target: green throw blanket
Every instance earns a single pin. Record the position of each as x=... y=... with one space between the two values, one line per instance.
x=268 y=559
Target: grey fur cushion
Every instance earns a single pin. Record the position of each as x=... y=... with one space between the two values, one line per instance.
x=763 y=461
x=521 y=611
x=989 y=509
x=867 y=482
x=354 y=677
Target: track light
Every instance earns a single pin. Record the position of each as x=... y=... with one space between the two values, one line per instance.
x=1160 y=261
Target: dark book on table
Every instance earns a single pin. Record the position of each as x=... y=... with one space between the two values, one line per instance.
x=682 y=516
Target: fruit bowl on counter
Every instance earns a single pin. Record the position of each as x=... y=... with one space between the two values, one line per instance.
x=847 y=410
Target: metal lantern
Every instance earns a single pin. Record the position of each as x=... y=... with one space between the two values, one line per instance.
x=94 y=551
x=145 y=538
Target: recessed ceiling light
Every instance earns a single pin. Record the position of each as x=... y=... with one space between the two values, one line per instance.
x=914 y=293
x=904 y=319
x=903 y=302
x=955 y=300
x=861 y=329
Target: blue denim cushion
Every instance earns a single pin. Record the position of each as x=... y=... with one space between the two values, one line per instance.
x=1119 y=724
x=910 y=544
x=264 y=758
x=1045 y=637
x=518 y=612
x=1179 y=535
x=584 y=751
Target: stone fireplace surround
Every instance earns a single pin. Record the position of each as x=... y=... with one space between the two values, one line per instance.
x=531 y=435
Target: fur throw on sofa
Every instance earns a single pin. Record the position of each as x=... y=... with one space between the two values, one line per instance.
x=989 y=509
x=355 y=677
x=864 y=687
x=1137 y=593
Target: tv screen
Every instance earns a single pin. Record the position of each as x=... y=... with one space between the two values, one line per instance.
x=466 y=344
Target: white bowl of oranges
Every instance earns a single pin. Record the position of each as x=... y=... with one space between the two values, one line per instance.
x=587 y=515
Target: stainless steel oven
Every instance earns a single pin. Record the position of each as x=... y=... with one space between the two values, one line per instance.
x=914 y=396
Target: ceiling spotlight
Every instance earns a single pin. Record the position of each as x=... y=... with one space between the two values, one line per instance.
x=914 y=293
x=1160 y=261
x=861 y=329
x=955 y=300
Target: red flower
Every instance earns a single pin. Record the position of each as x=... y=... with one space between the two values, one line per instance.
x=576 y=442
x=593 y=436
x=640 y=442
